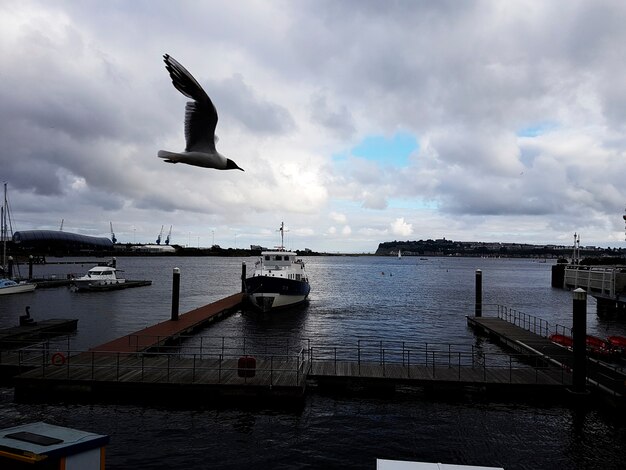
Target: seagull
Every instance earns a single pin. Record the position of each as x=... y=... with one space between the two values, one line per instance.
x=200 y=122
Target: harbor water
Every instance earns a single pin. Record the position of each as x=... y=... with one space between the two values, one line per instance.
x=352 y=299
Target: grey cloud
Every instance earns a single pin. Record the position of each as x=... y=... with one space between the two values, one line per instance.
x=242 y=103
x=337 y=119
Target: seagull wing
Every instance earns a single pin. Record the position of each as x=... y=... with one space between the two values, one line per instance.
x=200 y=114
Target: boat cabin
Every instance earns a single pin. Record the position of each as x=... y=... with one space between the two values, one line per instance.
x=283 y=258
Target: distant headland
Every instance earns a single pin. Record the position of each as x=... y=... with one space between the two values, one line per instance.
x=443 y=247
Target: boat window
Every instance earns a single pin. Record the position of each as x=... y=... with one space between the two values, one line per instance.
x=267 y=257
x=278 y=258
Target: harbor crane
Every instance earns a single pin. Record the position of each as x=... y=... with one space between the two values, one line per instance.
x=113 y=239
x=169 y=234
x=158 y=240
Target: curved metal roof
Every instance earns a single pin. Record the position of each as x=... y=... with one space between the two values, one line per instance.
x=35 y=237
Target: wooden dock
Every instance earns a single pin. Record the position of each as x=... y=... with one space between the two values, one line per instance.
x=169 y=330
x=282 y=378
x=19 y=336
x=165 y=377
x=607 y=378
x=126 y=368
x=150 y=363
x=439 y=377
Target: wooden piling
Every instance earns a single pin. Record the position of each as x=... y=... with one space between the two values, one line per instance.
x=478 y=310
x=175 y=293
x=579 y=331
x=243 y=276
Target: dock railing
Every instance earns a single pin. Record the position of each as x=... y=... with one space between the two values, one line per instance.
x=216 y=367
x=209 y=344
x=216 y=361
x=537 y=325
x=531 y=323
x=377 y=358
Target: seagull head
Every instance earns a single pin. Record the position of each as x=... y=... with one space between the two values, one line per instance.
x=231 y=165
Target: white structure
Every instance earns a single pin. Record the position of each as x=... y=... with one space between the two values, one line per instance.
x=405 y=465
x=52 y=447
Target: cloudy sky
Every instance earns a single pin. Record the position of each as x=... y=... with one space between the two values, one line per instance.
x=357 y=122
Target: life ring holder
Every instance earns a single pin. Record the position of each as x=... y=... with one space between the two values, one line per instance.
x=58 y=359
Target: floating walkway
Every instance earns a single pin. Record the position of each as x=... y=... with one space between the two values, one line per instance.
x=162 y=362
x=141 y=366
x=168 y=331
x=530 y=342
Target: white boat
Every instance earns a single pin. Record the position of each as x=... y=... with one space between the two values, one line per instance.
x=279 y=280
x=9 y=286
x=98 y=276
x=399 y=254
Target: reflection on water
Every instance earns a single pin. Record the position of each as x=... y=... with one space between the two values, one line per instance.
x=352 y=299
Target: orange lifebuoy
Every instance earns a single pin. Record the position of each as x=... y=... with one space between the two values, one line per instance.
x=57 y=359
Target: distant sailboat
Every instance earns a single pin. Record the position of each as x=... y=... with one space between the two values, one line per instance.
x=399 y=254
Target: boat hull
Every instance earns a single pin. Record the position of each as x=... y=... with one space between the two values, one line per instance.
x=80 y=285
x=267 y=293
x=17 y=289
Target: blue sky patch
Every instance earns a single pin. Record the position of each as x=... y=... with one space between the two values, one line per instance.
x=412 y=203
x=392 y=151
x=535 y=130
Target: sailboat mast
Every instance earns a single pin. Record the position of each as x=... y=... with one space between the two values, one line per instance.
x=4 y=228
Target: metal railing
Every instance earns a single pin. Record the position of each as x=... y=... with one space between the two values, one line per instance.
x=445 y=361
x=171 y=367
x=193 y=344
x=537 y=325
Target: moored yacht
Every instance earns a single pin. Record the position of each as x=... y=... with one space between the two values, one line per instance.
x=9 y=286
x=98 y=276
x=279 y=279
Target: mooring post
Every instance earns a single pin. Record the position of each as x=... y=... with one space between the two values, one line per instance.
x=243 y=276
x=10 y=267
x=175 y=293
x=114 y=262
x=478 y=310
x=30 y=267
x=579 y=327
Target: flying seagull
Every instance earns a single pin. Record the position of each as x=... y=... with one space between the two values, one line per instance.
x=200 y=122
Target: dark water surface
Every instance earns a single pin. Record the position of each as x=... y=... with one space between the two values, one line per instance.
x=351 y=298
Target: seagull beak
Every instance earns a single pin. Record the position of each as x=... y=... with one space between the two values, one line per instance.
x=231 y=165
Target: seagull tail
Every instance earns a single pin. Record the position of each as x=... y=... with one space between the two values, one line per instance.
x=170 y=157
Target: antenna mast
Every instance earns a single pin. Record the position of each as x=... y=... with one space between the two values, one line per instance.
x=113 y=239
x=282 y=236
x=576 y=252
